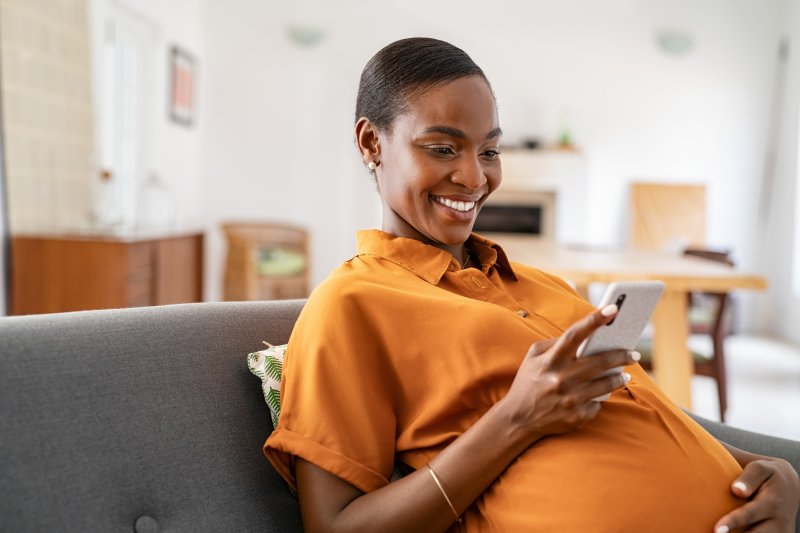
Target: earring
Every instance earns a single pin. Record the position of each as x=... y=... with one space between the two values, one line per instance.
x=372 y=165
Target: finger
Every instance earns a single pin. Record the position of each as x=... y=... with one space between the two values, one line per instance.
x=766 y=526
x=747 y=515
x=589 y=368
x=755 y=474
x=567 y=344
x=602 y=386
x=538 y=348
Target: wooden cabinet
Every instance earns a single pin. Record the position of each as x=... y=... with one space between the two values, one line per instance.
x=56 y=273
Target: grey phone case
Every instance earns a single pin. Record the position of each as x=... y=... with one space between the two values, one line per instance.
x=640 y=298
x=624 y=331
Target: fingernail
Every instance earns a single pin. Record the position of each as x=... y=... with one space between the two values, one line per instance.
x=626 y=378
x=740 y=485
x=722 y=529
x=636 y=356
x=609 y=310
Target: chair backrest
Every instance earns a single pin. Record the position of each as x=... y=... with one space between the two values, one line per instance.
x=667 y=216
x=247 y=242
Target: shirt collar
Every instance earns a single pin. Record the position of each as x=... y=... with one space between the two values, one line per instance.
x=427 y=261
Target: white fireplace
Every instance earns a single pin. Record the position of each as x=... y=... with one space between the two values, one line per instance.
x=543 y=194
x=521 y=212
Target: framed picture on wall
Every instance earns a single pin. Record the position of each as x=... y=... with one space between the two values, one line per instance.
x=182 y=91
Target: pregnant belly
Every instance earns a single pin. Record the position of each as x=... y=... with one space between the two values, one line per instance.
x=641 y=465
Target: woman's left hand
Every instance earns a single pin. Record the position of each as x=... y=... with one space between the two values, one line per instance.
x=773 y=489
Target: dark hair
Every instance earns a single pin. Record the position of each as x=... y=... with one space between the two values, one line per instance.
x=404 y=69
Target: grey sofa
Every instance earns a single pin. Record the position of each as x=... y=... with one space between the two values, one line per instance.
x=148 y=420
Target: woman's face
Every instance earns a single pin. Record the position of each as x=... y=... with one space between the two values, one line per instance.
x=440 y=163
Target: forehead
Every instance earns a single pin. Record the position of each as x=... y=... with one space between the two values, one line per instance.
x=465 y=103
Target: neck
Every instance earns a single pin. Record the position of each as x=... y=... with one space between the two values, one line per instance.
x=399 y=227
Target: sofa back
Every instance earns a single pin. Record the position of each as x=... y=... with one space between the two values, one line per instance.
x=141 y=420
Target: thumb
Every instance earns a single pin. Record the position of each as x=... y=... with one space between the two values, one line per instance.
x=752 y=477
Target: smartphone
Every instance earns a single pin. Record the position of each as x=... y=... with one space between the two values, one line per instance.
x=635 y=302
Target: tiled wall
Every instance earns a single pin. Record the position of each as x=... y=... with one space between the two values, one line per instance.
x=46 y=91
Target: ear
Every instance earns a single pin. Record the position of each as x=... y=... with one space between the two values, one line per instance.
x=368 y=141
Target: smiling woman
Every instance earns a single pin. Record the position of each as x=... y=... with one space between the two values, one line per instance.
x=439 y=164
x=430 y=351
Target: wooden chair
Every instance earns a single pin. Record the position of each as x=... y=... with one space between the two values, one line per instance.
x=668 y=217
x=672 y=217
x=266 y=261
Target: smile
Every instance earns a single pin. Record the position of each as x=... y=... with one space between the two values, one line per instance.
x=458 y=206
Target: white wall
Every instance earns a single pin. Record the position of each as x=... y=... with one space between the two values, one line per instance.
x=278 y=142
x=779 y=234
x=3 y=229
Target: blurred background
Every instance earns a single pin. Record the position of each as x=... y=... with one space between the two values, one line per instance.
x=178 y=141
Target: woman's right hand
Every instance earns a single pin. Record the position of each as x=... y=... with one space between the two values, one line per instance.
x=553 y=390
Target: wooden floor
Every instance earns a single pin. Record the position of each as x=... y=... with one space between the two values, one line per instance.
x=763 y=386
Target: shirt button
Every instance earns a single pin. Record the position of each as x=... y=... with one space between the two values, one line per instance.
x=523 y=313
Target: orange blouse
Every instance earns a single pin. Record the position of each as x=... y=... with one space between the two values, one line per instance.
x=400 y=351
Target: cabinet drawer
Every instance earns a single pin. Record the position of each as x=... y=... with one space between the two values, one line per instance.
x=140 y=255
x=143 y=272
x=140 y=292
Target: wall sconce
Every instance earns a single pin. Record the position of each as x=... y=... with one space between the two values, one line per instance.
x=305 y=36
x=674 y=42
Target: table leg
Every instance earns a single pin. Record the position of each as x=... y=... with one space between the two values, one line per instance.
x=672 y=361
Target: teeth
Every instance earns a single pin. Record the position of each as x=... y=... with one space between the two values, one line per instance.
x=458 y=206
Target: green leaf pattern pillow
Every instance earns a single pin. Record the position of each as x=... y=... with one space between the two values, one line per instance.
x=268 y=365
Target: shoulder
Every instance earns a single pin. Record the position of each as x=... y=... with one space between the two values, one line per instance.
x=343 y=291
x=356 y=292
x=339 y=330
x=366 y=280
x=349 y=285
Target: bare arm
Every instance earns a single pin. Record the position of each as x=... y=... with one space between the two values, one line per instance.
x=414 y=503
x=770 y=490
x=551 y=394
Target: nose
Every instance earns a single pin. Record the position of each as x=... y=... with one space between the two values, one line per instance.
x=469 y=173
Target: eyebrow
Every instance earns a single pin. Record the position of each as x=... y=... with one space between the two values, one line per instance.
x=455 y=132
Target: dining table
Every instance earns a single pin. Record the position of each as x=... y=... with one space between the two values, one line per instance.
x=583 y=265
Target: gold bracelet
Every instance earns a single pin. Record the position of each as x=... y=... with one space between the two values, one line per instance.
x=441 y=488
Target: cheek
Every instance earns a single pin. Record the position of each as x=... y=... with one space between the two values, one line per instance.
x=494 y=176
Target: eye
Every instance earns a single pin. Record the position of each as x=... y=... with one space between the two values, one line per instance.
x=490 y=155
x=442 y=150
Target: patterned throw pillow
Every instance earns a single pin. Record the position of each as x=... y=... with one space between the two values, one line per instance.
x=267 y=365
